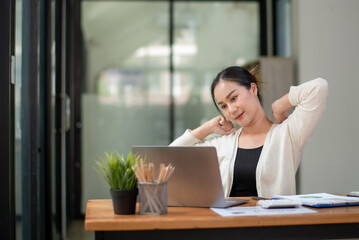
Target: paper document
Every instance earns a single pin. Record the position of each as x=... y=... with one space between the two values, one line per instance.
x=322 y=200
x=259 y=211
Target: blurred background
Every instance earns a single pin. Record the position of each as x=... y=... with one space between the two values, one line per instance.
x=95 y=76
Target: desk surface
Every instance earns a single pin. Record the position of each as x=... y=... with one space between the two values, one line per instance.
x=100 y=217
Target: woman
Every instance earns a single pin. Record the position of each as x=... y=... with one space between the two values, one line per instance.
x=260 y=158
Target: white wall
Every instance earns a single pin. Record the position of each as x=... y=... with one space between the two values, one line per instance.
x=326 y=41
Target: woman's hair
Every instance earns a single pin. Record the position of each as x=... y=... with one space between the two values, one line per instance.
x=239 y=75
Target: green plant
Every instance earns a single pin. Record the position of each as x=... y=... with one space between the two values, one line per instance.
x=117 y=170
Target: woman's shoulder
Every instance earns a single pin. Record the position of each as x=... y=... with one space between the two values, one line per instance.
x=279 y=128
x=223 y=143
x=218 y=137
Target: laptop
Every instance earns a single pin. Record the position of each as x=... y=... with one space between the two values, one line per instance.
x=196 y=180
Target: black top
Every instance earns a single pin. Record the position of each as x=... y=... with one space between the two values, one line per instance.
x=244 y=181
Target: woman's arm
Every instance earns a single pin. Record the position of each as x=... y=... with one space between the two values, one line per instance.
x=218 y=125
x=280 y=107
x=309 y=99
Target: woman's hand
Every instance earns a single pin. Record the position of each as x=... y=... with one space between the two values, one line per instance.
x=224 y=126
x=279 y=109
x=279 y=117
x=219 y=125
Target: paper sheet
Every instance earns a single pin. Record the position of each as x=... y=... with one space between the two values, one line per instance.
x=259 y=211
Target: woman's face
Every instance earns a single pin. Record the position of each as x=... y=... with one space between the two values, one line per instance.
x=238 y=103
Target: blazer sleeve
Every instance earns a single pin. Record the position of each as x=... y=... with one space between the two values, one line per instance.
x=309 y=100
x=187 y=139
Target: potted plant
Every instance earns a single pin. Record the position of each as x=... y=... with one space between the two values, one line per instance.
x=118 y=173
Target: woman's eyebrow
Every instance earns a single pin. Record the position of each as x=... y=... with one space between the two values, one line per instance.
x=228 y=96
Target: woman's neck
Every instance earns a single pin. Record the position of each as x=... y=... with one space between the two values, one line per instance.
x=255 y=135
x=260 y=125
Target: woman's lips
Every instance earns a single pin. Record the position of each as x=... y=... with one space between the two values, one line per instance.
x=239 y=116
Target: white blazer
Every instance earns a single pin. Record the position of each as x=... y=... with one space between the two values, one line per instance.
x=280 y=156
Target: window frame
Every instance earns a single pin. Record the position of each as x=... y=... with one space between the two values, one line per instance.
x=7 y=23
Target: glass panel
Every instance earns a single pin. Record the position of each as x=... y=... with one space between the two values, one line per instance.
x=22 y=222
x=126 y=94
x=209 y=36
x=284 y=23
x=18 y=165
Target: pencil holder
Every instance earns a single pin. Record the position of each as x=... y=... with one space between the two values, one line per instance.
x=153 y=197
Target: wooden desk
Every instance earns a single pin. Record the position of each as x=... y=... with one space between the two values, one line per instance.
x=203 y=223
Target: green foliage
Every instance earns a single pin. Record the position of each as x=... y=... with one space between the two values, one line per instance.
x=117 y=170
